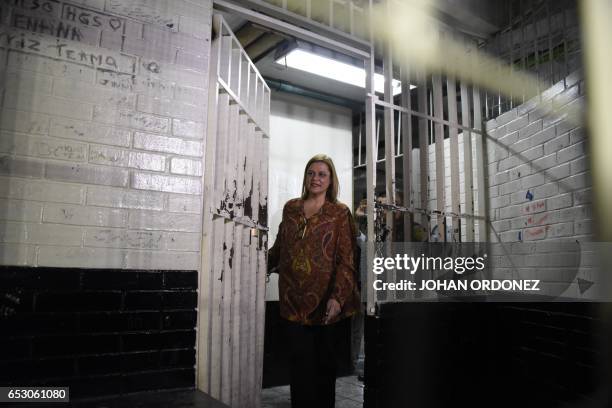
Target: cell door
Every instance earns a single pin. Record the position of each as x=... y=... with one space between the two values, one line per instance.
x=232 y=281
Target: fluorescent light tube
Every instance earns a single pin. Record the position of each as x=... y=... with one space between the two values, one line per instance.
x=336 y=70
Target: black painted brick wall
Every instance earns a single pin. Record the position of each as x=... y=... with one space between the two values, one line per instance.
x=99 y=331
x=437 y=355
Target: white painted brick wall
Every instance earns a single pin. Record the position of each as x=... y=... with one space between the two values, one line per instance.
x=548 y=162
x=101 y=139
x=538 y=185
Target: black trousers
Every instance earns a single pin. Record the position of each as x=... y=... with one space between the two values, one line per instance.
x=313 y=365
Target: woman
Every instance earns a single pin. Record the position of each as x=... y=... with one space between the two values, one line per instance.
x=317 y=286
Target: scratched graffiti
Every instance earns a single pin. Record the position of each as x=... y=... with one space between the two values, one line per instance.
x=125 y=239
x=43 y=25
x=91 y=18
x=43 y=7
x=66 y=51
x=144 y=10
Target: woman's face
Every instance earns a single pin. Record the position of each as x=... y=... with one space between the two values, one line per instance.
x=318 y=178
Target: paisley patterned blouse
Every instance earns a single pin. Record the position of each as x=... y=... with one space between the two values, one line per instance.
x=315 y=262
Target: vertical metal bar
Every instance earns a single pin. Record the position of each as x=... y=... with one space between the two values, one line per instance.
x=359 y=147
x=216 y=326
x=439 y=134
x=235 y=329
x=480 y=169
x=522 y=45
x=252 y=95
x=451 y=92
x=564 y=9
x=262 y=270
x=309 y=9
x=250 y=367
x=389 y=152
x=245 y=78
x=221 y=155
x=241 y=164
x=251 y=269
x=231 y=163
x=535 y=45
x=226 y=304
x=351 y=7
x=245 y=305
x=255 y=199
x=423 y=147
x=550 y=45
x=261 y=103
x=370 y=167
x=398 y=147
x=406 y=131
x=226 y=56
x=267 y=107
x=431 y=113
x=260 y=324
x=248 y=178
x=219 y=312
x=377 y=136
x=389 y=136
x=511 y=52
x=236 y=70
x=206 y=274
x=500 y=62
x=468 y=186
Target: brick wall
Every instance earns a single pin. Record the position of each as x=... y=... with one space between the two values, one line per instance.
x=101 y=132
x=538 y=169
x=544 y=355
x=99 y=332
x=529 y=149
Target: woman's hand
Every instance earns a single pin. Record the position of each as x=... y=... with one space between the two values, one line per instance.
x=332 y=311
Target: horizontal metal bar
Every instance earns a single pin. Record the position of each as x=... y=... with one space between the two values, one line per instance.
x=393 y=207
x=290 y=29
x=425 y=116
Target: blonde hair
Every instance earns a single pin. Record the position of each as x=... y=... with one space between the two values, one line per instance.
x=332 y=190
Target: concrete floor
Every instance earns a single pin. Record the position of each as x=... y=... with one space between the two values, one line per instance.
x=349 y=394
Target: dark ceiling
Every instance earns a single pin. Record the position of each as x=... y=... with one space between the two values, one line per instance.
x=478 y=18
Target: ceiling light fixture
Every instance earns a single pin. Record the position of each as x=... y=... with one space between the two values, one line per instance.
x=336 y=70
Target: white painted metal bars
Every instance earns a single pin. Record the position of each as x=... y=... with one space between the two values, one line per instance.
x=406 y=150
x=232 y=280
x=423 y=147
x=439 y=149
x=389 y=151
x=480 y=168
x=431 y=111
x=455 y=223
x=468 y=185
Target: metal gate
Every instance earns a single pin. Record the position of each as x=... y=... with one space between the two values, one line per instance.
x=232 y=281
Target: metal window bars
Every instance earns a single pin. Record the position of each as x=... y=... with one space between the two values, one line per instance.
x=439 y=101
x=542 y=37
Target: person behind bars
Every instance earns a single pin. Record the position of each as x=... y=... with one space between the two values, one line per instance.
x=314 y=257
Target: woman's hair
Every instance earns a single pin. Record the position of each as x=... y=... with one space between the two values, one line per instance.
x=332 y=191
